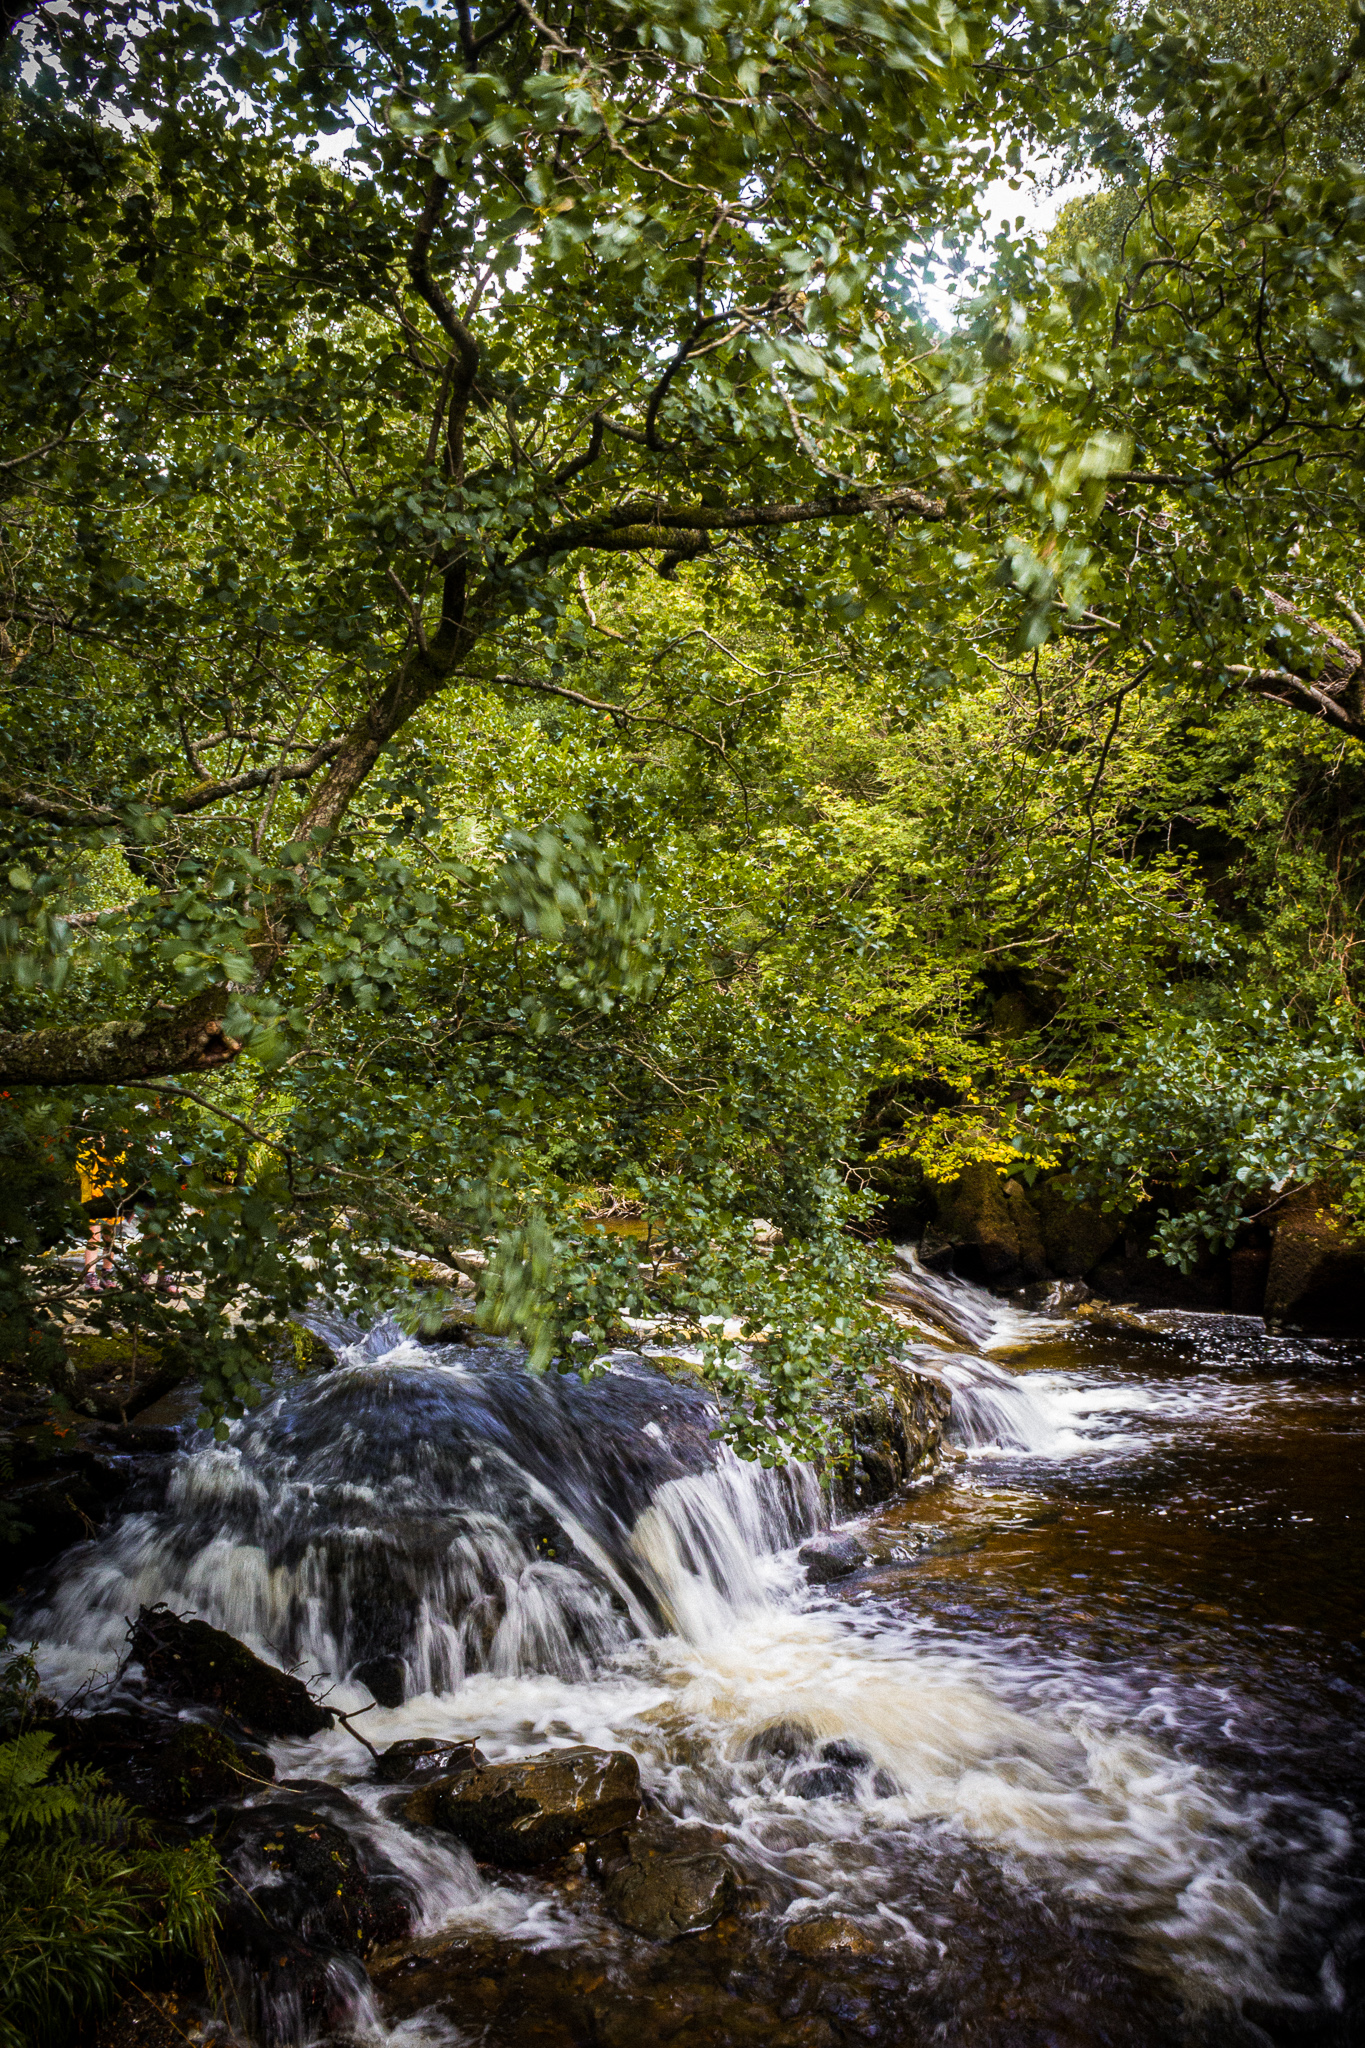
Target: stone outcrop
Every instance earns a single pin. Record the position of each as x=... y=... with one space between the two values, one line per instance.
x=1305 y=1271
x=896 y=1431
x=1075 y=1235
x=534 y=1811
x=990 y=1228
x=976 y=1231
x=1316 y=1276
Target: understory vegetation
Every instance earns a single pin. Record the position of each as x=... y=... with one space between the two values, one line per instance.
x=563 y=721
x=88 y=1896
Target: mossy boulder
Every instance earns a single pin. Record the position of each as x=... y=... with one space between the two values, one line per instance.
x=984 y=1229
x=1075 y=1235
x=115 y=1376
x=1316 y=1277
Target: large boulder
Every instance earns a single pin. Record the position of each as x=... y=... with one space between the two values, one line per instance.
x=974 y=1232
x=1075 y=1235
x=1316 y=1278
x=189 y=1660
x=533 y=1811
x=985 y=1229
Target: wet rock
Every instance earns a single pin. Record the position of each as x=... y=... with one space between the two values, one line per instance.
x=299 y=1873
x=523 y=1814
x=163 y=1764
x=416 y=1761
x=64 y=1499
x=154 y=1440
x=785 y=1739
x=384 y=1678
x=662 y=1896
x=1062 y=1296
x=880 y=1470
x=1316 y=1277
x=186 y=1659
x=896 y=1430
x=846 y=1753
x=827 y=1558
x=817 y=1939
x=504 y=1994
x=827 y=1781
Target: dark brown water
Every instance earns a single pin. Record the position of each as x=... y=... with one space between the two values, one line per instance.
x=1187 y=1546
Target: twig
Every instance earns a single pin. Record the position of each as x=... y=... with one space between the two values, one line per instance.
x=345 y=1720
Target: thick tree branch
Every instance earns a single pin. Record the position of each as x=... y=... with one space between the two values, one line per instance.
x=190 y=1040
x=639 y=526
x=178 y=806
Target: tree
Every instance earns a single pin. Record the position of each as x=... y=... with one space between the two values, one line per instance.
x=578 y=291
x=1212 y=336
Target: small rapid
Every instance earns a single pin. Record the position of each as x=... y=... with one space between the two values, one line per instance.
x=461 y=1550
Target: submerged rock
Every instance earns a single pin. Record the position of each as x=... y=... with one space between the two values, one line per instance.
x=784 y=1739
x=831 y=1936
x=663 y=1896
x=665 y=1877
x=534 y=1811
x=190 y=1660
x=298 y=1871
x=826 y=1781
x=827 y=1558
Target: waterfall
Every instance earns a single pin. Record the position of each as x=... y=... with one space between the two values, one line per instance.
x=538 y=1560
x=411 y=1521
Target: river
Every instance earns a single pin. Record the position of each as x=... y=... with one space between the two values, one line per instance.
x=1080 y=1750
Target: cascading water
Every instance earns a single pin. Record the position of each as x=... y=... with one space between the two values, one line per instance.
x=431 y=1519
x=537 y=1562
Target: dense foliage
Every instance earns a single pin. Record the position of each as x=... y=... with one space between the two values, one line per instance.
x=398 y=863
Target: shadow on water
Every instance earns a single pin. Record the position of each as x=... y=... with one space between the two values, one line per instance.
x=1094 y=1703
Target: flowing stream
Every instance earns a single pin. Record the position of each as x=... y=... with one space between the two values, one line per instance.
x=1094 y=1702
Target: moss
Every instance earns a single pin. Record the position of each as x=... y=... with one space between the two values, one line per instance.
x=103 y=1357
x=308 y=1353
x=201 y=1765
